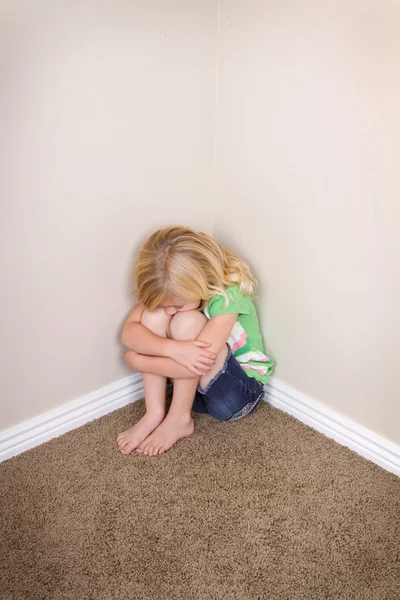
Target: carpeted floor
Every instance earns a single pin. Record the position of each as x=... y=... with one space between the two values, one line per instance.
x=265 y=508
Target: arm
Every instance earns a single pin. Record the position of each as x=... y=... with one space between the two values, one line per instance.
x=194 y=356
x=215 y=332
x=159 y=366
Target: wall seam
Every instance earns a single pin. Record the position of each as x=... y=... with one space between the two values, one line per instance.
x=214 y=163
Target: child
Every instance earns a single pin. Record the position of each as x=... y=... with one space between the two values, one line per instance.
x=216 y=360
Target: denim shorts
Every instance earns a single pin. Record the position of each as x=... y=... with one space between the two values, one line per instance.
x=231 y=394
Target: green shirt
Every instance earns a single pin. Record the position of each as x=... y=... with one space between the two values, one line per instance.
x=245 y=339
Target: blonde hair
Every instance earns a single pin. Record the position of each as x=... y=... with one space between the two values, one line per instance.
x=177 y=262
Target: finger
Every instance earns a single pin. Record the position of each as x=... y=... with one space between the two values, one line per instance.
x=209 y=359
x=203 y=367
x=201 y=344
x=208 y=354
x=200 y=369
x=196 y=371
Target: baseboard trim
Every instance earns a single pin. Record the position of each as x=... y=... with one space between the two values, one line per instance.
x=41 y=429
x=335 y=426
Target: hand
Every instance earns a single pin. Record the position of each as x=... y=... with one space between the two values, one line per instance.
x=194 y=356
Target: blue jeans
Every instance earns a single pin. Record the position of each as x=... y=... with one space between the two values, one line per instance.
x=231 y=394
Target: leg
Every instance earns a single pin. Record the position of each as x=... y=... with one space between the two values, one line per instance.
x=201 y=404
x=178 y=423
x=154 y=390
x=219 y=363
x=232 y=394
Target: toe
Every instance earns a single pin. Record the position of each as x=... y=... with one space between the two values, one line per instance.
x=129 y=447
x=125 y=449
x=144 y=448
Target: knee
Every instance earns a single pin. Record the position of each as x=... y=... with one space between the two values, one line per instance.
x=157 y=321
x=186 y=325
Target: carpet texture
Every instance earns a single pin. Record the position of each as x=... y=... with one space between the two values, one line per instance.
x=265 y=508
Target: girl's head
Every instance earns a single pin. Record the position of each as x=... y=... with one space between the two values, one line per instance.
x=180 y=268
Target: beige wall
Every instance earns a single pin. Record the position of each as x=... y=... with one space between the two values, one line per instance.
x=308 y=145
x=107 y=125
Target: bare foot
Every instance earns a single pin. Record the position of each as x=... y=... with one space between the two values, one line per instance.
x=130 y=439
x=164 y=437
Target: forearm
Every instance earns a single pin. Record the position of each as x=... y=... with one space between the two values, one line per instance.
x=137 y=337
x=217 y=330
x=158 y=365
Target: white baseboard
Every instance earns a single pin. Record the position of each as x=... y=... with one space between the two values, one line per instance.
x=335 y=426
x=74 y=414
x=69 y=416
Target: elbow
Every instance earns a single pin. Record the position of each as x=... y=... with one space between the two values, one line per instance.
x=130 y=359
x=128 y=335
x=124 y=337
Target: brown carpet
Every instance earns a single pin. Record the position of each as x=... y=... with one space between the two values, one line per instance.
x=265 y=508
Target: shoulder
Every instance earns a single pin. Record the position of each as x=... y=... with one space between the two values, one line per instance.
x=135 y=315
x=233 y=301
